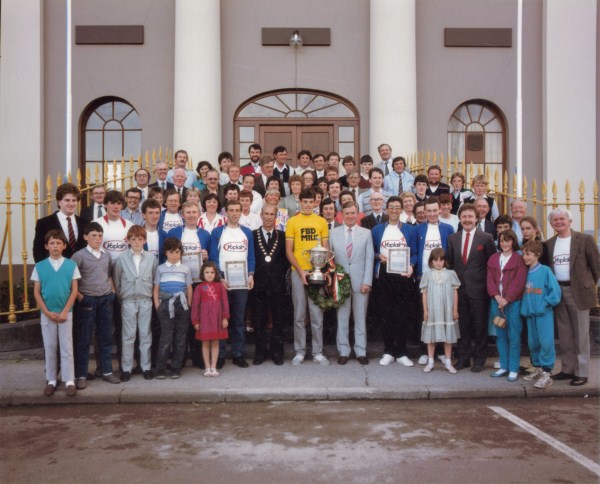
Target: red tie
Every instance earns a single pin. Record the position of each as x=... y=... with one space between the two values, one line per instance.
x=466 y=248
x=71 y=234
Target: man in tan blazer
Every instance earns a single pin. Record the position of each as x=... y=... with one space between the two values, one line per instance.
x=575 y=260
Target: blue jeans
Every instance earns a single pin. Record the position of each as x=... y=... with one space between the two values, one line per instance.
x=94 y=311
x=508 y=339
x=238 y=299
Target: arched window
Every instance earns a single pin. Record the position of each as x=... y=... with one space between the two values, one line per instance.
x=476 y=134
x=110 y=130
x=297 y=119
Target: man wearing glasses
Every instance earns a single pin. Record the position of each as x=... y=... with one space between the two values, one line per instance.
x=142 y=179
x=132 y=212
x=212 y=186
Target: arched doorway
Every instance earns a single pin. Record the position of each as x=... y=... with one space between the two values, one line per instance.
x=110 y=129
x=297 y=119
x=477 y=134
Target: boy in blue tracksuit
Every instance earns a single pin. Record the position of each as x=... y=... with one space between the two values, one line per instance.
x=542 y=293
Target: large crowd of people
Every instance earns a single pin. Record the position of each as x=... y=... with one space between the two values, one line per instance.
x=176 y=268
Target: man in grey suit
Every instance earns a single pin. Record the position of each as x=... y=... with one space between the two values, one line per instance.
x=353 y=249
x=468 y=253
x=575 y=260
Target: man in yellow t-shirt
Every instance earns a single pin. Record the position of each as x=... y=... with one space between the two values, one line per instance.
x=302 y=232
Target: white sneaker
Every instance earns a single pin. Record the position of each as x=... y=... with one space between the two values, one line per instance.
x=544 y=380
x=405 y=361
x=442 y=359
x=298 y=359
x=423 y=360
x=450 y=368
x=321 y=359
x=386 y=360
x=497 y=364
x=534 y=374
x=428 y=368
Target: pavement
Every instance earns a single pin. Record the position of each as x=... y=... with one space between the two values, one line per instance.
x=22 y=382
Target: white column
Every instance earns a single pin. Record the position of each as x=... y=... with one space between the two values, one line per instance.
x=21 y=116
x=393 y=68
x=569 y=99
x=197 y=120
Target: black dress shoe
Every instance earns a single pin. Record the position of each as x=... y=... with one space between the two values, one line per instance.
x=220 y=363
x=476 y=368
x=258 y=360
x=98 y=373
x=342 y=360
x=278 y=360
x=148 y=375
x=578 y=381
x=563 y=376
x=137 y=370
x=90 y=377
x=239 y=361
x=461 y=365
x=125 y=376
x=363 y=360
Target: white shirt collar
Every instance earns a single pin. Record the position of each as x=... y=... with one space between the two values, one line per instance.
x=177 y=264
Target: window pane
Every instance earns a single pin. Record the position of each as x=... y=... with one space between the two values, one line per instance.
x=244 y=149
x=121 y=110
x=346 y=134
x=463 y=115
x=105 y=111
x=256 y=111
x=273 y=102
x=486 y=116
x=335 y=111
x=304 y=99
x=456 y=146
x=345 y=149
x=295 y=114
x=493 y=147
x=455 y=125
x=95 y=122
x=289 y=100
x=474 y=127
x=493 y=125
x=113 y=145
x=113 y=125
x=475 y=111
x=133 y=144
x=93 y=145
x=247 y=133
x=132 y=121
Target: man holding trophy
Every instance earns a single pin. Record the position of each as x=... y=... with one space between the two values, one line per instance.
x=306 y=232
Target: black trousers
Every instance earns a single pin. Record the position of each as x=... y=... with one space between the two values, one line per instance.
x=266 y=300
x=472 y=322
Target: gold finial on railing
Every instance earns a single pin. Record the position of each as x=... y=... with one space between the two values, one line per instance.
x=514 y=186
x=427 y=161
x=544 y=208
x=48 y=195
x=463 y=166
x=140 y=165
x=12 y=317
x=554 y=194
x=105 y=174
x=534 y=197
x=122 y=174
x=434 y=158
x=78 y=178
x=582 y=203
x=471 y=173
x=24 y=243
x=147 y=160
x=160 y=153
x=131 y=170
x=568 y=194
x=59 y=179
x=36 y=199
x=69 y=177
x=114 y=174
x=524 y=188
x=97 y=172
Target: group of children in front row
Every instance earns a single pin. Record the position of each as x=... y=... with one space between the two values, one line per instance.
x=139 y=282
x=515 y=293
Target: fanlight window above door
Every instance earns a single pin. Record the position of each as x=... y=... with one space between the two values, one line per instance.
x=296 y=105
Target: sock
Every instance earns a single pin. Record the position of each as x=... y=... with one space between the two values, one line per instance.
x=53 y=383
x=430 y=361
x=70 y=382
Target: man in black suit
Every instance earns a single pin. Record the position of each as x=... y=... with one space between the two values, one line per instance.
x=267 y=165
x=434 y=186
x=269 y=287
x=378 y=216
x=212 y=186
x=67 y=196
x=484 y=223
x=468 y=253
x=96 y=208
x=160 y=172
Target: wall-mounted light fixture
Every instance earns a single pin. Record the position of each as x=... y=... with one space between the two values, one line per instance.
x=296 y=40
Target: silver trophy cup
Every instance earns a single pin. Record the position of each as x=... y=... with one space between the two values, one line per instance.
x=318 y=256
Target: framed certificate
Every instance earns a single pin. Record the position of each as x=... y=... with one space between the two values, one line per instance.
x=236 y=273
x=398 y=260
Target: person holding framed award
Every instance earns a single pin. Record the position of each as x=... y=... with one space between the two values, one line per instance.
x=396 y=255
x=232 y=249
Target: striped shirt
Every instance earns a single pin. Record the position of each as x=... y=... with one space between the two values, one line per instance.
x=173 y=278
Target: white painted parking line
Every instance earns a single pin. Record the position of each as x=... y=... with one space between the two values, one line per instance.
x=558 y=445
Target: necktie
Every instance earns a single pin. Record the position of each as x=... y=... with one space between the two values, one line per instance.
x=385 y=166
x=330 y=225
x=378 y=218
x=163 y=185
x=349 y=244
x=268 y=238
x=71 y=234
x=179 y=191
x=400 y=190
x=99 y=211
x=466 y=248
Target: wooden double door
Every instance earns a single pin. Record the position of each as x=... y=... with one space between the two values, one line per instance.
x=316 y=139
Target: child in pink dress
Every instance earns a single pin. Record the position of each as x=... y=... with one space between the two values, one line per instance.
x=210 y=314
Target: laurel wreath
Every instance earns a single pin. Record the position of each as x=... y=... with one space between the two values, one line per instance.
x=323 y=297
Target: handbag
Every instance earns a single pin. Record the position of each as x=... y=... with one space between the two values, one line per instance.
x=500 y=319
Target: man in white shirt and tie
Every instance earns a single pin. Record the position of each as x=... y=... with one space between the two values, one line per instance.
x=96 y=208
x=385 y=151
x=160 y=172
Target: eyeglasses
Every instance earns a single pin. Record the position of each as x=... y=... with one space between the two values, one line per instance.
x=212 y=179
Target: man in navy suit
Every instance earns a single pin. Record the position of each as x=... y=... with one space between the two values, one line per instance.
x=468 y=252
x=67 y=196
x=160 y=171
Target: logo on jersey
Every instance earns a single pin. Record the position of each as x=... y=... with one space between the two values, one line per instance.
x=562 y=259
x=115 y=245
x=308 y=235
x=392 y=244
x=432 y=244
x=236 y=246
